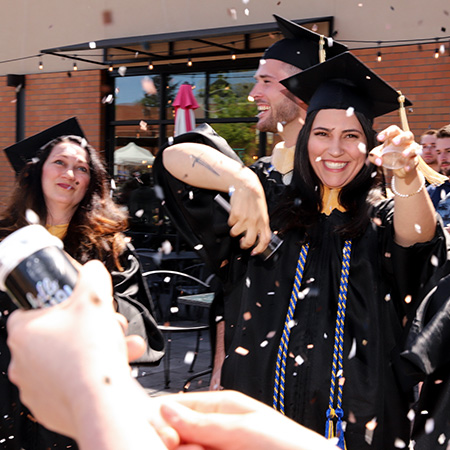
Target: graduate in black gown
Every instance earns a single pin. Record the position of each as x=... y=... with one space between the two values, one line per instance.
x=321 y=352
x=65 y=184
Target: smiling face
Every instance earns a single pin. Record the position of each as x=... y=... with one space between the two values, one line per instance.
x=336 y=147
x=275 y=103
x=65 y=176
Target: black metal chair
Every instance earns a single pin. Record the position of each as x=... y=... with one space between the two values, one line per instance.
x=166 y=286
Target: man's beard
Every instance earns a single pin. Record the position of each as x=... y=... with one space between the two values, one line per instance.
x=284 y=114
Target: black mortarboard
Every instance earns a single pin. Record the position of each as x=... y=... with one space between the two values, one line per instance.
x=300 y=46
x=343 y=82
x=25 y=150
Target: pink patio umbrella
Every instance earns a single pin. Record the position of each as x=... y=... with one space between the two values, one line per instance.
x=184 y=105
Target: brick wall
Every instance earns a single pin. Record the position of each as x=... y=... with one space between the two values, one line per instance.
x=53 y=97
x=422 y=78
x=49 y=99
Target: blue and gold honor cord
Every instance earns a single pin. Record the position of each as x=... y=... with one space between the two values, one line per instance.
x=337 y=366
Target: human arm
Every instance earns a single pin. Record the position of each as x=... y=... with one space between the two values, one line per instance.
x=70 y=363
x=219 y=357
x=201 y=166
x=414 y=214
x=230 y=420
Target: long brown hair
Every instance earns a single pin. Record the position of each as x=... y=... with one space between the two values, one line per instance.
x=96 y=228
x=302 y=202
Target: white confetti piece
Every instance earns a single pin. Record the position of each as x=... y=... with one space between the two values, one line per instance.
x=92 y=45
x=246 y=11
x=291 y=324
x=411 y=415
x=352 y=352
x=189 y=357
x=232 y=13
x=280 y=127
x=242 y=351
x=219 y=318
x=191 y=195
x=122 y=71
x=32 y=217
x=350 y=111
x=198 y=247
x=318 y=159
x=143 y=126
x=248 y=282
x=135 y=372
x=362 y=148
x=264 y=343
x=299 y=360
x=429 y=426
x=399 y=443
x=387 y=298
x=108 y=99
x=139 y=213
x=441 y=439
x=174 y=309
x=418 y=228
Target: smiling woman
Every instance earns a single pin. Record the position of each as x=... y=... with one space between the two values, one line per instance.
x=66 y=186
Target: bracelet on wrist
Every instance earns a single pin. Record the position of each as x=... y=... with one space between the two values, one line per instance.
x=398 y=194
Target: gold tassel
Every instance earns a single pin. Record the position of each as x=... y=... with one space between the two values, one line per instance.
x=429 y=173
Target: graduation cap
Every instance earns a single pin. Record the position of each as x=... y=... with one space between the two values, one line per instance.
x=343 y=82
x=25 y=150
x=300 y=46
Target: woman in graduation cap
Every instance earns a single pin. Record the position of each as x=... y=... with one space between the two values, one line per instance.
x=313 y=329
x=64 y=187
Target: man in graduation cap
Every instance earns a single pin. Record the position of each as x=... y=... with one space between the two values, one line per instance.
x=278 y=110
x=311 y=331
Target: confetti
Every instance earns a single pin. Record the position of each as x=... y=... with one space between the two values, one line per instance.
x=189 y=357
x=250 y=98
x=191 y=195
x=135 y=372
x=264 y=344
x=350 y=111
x=108 y=99
x=434 y=261
x=370 y=428
x=387 y=297
x=242 y=351
x=92 y=45
x=315 y=27
x=122 y=70
x=32 y=217
x=198 y=247
x=291 y=324
x=143 y=125
x=362 y=148
x=246 y=11
x=387 y=255
x=139 y=213
x=248 y=282
x=351 y=417
x=299 y=360
x=418 y=228
x=270 y=334
x=319 y=158
x=399 y=443
x=245 y=2
x=441 y=439
x=219 y=319
x=148 y=86
x=232 y=13
x=424 y=412
x=310 y=346
x=429 y=426
x=411 y=415
x=247 y=315
x=352 y=352
x=408 y=299
x=174 y=309
x=280 y=127
x=377 y=221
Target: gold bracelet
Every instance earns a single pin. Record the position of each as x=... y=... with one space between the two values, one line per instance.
x=394 y=190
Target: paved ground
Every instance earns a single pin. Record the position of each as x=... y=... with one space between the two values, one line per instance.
x=182 y=351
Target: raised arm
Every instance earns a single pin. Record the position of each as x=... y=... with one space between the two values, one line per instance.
x=201 y=166
x=414 y=214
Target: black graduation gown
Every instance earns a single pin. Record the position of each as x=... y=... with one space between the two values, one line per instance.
x=427 y=351
x=257 y=295
x=18 y=428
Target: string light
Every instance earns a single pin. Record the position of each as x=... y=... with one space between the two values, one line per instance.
x=189 y=61
x=41 y=66
x=379 y=56
x=436 y=53
x=75 y=67
x=110 y=68
x=150 y=64
x=233 y=56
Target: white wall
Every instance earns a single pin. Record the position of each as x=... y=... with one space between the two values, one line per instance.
x=27 y=26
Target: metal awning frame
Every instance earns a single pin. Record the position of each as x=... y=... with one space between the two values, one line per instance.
x=198 y=44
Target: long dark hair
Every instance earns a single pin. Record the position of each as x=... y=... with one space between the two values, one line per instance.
x=302 y=202
x=95 y=230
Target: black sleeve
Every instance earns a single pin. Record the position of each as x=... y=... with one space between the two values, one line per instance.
x=134 y=302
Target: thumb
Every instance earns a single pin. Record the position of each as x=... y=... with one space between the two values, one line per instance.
x=194 y=427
